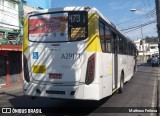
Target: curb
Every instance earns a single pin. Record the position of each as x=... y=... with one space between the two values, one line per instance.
x=158 y=93
x=10 y=88
x=10 y=85
x=158 y=88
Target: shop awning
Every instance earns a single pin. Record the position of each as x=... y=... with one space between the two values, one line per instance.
x=4 y=49
x=10 y=47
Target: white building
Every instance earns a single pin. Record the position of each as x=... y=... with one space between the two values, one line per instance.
x=142 y=47
x=28 y=9
x=145 y=50
x=9 y=17
x=153 y=49
x=9 y=21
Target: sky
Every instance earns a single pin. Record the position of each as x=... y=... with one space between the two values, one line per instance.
x=118 y=12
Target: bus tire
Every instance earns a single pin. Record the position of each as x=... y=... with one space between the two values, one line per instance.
x=121 y=83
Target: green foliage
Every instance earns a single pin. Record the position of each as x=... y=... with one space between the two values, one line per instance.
x=151 y=40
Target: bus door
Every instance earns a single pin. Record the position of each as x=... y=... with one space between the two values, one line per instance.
x=115 y=60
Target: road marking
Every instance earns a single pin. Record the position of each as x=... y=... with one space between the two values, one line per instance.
x=154 y=96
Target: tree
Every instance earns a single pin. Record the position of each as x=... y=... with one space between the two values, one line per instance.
x=152 y=40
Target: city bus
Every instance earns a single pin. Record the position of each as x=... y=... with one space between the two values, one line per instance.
x=75 y=53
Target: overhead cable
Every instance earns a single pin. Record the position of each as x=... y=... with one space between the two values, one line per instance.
x=150 y=22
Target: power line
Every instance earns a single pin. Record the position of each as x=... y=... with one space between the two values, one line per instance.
x=142 y=25
x=139 y=22
x=149 y=4
x=149 y=16
x=150 y=12
x=136 y=28
x=144 y=5
x=129 y=20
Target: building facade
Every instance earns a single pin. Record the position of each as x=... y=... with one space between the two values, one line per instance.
x=27 y=9
x=9 y=22
x=10 y=43
x=11 y=31
x=154 y=49
x=146 y=50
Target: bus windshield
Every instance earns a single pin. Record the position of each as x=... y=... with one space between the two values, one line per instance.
x=58 y=27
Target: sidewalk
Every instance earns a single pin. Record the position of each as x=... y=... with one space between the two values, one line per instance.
x=158 y=91
x=11 y=88
x=142 y=91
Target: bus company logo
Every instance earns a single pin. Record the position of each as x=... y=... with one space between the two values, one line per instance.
x=6 y=110
x=15 y=111
x=35 y=55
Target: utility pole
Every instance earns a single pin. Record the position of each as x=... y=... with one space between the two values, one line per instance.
x=143 y=46
x=157 y=2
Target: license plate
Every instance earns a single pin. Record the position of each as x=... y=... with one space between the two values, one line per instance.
x=55 y=75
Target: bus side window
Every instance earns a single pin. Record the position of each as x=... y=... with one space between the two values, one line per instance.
x=102 y=37
x=108 y=39
x=105 y=37
x=125 y=47
x=114 y=42
x=120 y=45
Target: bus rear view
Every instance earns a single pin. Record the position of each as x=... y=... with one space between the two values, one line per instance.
x=75 y=53
x=54 y=57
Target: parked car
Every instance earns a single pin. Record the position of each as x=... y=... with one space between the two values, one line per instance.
x=155 y=61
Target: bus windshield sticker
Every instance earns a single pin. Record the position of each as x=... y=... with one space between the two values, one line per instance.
x=39 y=69
x=35 y=55
x=49 y=27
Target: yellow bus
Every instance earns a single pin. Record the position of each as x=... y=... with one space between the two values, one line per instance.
x=75 y=53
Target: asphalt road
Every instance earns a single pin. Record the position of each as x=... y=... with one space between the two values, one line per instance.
x=140 y=91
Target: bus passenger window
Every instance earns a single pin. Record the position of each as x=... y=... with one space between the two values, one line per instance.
x=108 y=39
x=114 y=42
x=101 y=32
x=105 y=37
x=120 y=45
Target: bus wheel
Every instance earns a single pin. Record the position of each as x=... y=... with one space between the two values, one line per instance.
x=121 y=83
